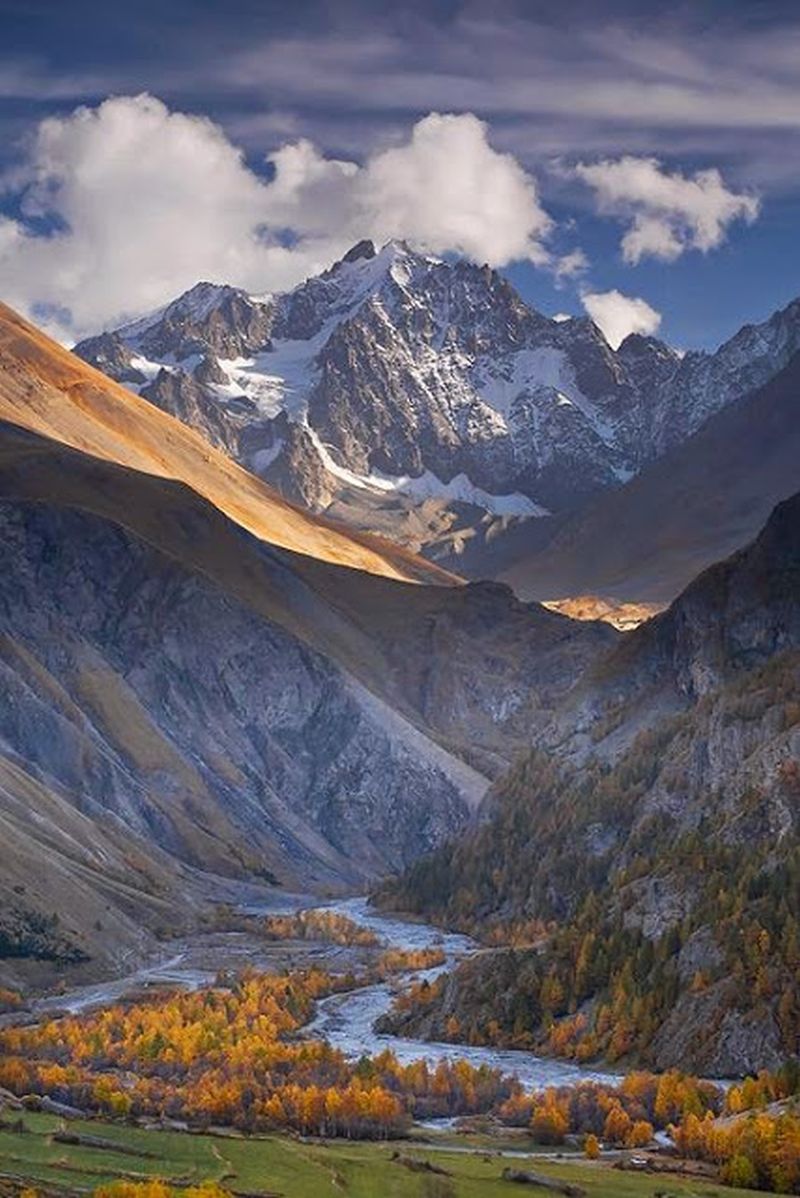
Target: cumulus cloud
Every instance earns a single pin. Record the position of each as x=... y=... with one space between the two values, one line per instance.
x=667 y=213
x=138 y=203
x=139 y=200
x=619 y=315
x=449 y=190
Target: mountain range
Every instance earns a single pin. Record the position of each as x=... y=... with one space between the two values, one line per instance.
x=424 y=400
x=239 y=648
x=700 y=501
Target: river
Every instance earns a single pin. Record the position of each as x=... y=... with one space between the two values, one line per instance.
x=347 y=1020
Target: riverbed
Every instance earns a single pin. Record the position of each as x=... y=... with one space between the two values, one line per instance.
x=346 y=1020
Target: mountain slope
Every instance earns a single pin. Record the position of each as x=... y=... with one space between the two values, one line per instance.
x=656 y=822
x=162 y=723
x=73 y=884
x=707 y=497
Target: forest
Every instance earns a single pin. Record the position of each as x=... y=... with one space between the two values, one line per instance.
x=230 y=1055
x=316 y=923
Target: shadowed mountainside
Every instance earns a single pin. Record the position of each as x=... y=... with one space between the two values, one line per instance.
x=195 y=699
x=656 y=823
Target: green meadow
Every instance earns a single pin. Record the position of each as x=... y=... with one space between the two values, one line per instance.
x=281 y=1165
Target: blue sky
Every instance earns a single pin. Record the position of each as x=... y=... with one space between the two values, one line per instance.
x=559 y=87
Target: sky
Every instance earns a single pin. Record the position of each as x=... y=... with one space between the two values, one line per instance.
x=634 y=162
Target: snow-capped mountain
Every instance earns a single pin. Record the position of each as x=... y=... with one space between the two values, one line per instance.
x=396 y=382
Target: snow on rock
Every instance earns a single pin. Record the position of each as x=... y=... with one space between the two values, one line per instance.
x=460 y=489
x=405 y=370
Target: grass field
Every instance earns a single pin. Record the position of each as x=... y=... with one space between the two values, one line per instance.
x=280 y=1165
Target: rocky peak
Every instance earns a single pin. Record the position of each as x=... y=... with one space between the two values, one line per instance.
x=336 y=294
x=209 y=318
x=649 y=362
x=109 y=353
x=704 y=383
x=362 y=249
x=637 y=345
x=201 y=299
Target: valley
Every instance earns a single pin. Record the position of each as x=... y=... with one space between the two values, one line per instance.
x=344 y=1021
x=399 y=599
x=232 y=705
x=61 y=1150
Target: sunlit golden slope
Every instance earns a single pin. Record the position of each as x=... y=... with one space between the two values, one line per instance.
x=45 y=388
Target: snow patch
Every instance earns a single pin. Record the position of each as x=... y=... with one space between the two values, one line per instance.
x=460 y=489
x=277 y=380
x=530 y=370
x=150 y=369
x=499 y=384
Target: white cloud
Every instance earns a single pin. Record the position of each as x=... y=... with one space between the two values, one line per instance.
x=445 y=189
x=667 y=213
x=144 y=202
x=448 y=189
x=618 y=315
x=568 y=266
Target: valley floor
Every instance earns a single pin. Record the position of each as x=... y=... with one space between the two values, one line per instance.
x=58 y=1157
x=345 y=1021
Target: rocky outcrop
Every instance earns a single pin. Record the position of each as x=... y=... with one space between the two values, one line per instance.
x=111 y=354
x=710 y=1030
x=181 y=395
